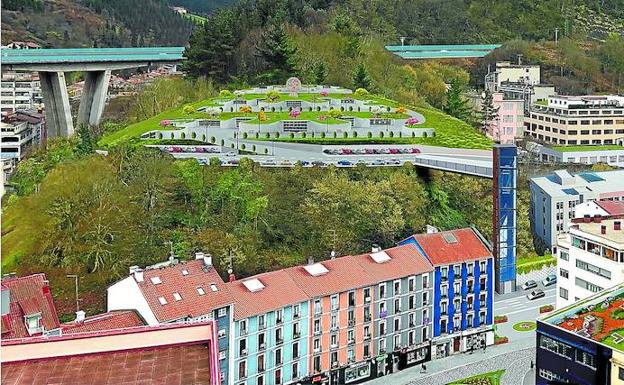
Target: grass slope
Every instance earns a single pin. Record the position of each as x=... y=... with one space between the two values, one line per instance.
x=587 y=148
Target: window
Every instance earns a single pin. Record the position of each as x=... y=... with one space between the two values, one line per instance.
x=564 y=255
x=366 y=332
x=260 y=380
x=351 y=298
x=242 y=347
x=425 y=281
x=317 y=345
x=222 y=312
x=397 y=342
x=586 y=359
x=382 y=309
x=411 y=283
x=279 y=316
x=366 y=294
x=367 y=352
x=200 y=291
x=564 y=273
x=261 y=340
x=556 y=347
x=563 y=293
x=351 y=336
x=397 y=324
x=296 y=330
x=184 y=272
x=318 y=308
x=397 y=305
x=295 y=350
x=410 y=319
x=295 y=370
x=587 y=286
x=296 y=311
x=550 y=376
x=411 y=304
x=279 y=337
x=397 y=287
x=334 y=302
x=278 y=376
x=261 y=363
x=333 y=341
x=261 y=321
x=444 y=272
x=278 y=356
x=621 y=373
x=222 y=355
x=156 y=280
x=162 y=300
x=242 y=369
x=334 y=321
x=213 y=287
x=593 y=269
x=242 y=325
x=457 y=270
x=382 y=290
x=317 y=363
x=382 y=328
x=382 y=345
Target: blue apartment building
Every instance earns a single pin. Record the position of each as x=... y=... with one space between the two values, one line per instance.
x=463 y=290
x=271 y=330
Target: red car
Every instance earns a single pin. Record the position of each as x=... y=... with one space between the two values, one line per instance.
x=394 y=151
x=347 y=151
x=415 y=151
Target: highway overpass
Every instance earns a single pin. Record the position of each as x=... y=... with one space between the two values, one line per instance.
x=97 y=63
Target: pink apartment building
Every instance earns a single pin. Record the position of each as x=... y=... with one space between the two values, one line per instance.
x=509 y=123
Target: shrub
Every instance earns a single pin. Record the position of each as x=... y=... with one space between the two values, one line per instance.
x=361 y=92
x=500 y=340
x=303 y=135
x=335 y=134
x=322 y=135
x=193 y=135
x=225 y=94
x=245 y=109
x=267 y=135
x=355 y=134
x=183 y=135
x=245 y=135
x=257 y=135
x=292 y=135
x=401 y=110
x=213 y=139
x=222 y=142
x=203 y=137
x=253 y=148
x=266 y=150
x=391 y=134
x=243 y=146
x=381 y=134
x=334 y=113
x=369 y=135
x=345 y=135
x=499 y=319
x=273 y=96
x=546 y=308
x=277 y=135
x=188 y=109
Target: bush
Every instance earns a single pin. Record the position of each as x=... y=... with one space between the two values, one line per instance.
x=245 y=135
x=355 y=134
x=243 y=146
x=188 y=109
x=381 y=134
x=322 y=135
x=345 y=135
x=266 y=150
x=225 y=94
x=546 y=308
x=292 y=135
x=277 y=135
x=213 y=139
x=267 y=135
x=369 y=135
x=273 y=96
x=361 y=92
x=193 y=135
x=500 y=340
x=303 y=135
x=499 y=319
x=257 y=135
x=335 y=134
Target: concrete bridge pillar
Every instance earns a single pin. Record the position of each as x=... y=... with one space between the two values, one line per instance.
x=56 y=100
x=93 y=97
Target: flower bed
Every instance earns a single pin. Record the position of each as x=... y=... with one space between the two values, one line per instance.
x=546 y=308
x=499 y=319
x=524 y=326
x=500 y=340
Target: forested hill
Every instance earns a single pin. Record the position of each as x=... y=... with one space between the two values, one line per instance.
x=88 y=23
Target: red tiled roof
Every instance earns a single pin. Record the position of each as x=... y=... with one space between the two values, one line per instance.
x=344 y=274
x=173 y=281
x=112 y=320
x=178 y=365
x=405 y=260
x=28 y=295
x=468 y=247
x=612 y=207
x=279 y=290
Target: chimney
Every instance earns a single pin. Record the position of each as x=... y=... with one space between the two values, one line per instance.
x=333 y=254
x=199 y=255
x=603 y=229
x=587 y=218
x=138 y=275
x=310 y=260
x=207 y=260
x=598 y=218
x=617 y=225
x=133 y=269
x=375 y=248
x=231 y=276
x=80 y=316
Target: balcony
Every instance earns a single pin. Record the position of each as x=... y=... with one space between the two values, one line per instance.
x=367 y=318
x=296 y=334
x=367 y=299
x=334 y=328
x=261 y=326
x=260 y=369
x=316 y=332
x=335 y=365
x=351 y=322
x=279 y=321
x=317 y=350
x=243 y=332
x=367 y=337
x=243 y=353
x=262 y=346
x=279 y=341
x=412 y=324
x=296 y=315
x=351 y=341
x=444 y=278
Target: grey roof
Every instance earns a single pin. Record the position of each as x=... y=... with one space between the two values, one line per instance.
x=561 y=183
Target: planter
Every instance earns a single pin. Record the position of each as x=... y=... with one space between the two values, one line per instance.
x=499 y=319
x=546 y=309
x=500 y=340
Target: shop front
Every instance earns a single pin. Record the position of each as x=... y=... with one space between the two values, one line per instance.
x=359 y=372
x=414 y=355
x=316 y=379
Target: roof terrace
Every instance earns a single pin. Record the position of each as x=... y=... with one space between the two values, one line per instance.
x=599 y=318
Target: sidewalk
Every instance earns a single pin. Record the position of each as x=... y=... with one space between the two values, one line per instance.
x=514 y=357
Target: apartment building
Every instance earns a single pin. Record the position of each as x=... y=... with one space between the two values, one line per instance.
x=582 y=343
x=509 y=122
x=20 y=91
x=590 y=259
x=270 y=338
x=463 y=290
x=518 y=82
x=577 y=120
x=179 y=292
x=19 y=132
x=554 y=199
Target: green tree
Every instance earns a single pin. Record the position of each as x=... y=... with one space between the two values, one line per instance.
x=488 y=113
x=85 y=141
x=360 y=78
x=278 y=53
x=456 y=105
x=319 y=72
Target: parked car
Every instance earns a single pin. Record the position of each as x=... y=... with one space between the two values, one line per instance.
x=176 y=149
x=269 y=162
x=550 y=280
x=347 y=151
x=531 y=284
x=370 y=151
x=415 y=151
x=318 y=163
x=286 y=162
x=394 y=151
x=535 y=294
x=304 y=163
x=344 y=163
x=393 y=161
x=378 y=162
x=326 y=151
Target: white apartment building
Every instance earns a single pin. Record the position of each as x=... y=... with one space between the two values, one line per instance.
x=578 y=120
x=554 y=199
x=20 y=91
x=590 y=258
x=18 y=133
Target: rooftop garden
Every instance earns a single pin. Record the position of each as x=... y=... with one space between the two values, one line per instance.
x=603 y=322
x=491 y=378
x=605 y=147
x=449 y=131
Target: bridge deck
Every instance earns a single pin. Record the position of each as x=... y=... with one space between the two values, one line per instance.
x=91 y=55
x=441 y=51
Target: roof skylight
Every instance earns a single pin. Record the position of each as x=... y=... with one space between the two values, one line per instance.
x=316 y=269
x=253 y=285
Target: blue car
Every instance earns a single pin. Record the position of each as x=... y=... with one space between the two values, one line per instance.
x=344 y=163
x=304 y=163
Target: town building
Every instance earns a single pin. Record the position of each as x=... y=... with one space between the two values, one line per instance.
x=463 y=293
x=113 y=320
x=19 y=132
x=554 y=199
x=20 y=91
x=518 y=82
x=132 y=355
x=270 y=336
x=590 y=258
x=583 y=342
x=577 y=120
x=178 y=292
x=509 y=121
x=28 y=308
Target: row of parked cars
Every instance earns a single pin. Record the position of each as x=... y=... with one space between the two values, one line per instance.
x=370 y=151
x=179 y=149
x=538 y=293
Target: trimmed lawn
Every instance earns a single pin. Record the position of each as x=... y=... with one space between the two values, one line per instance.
x=491 y=378
x=524 y=326
x=611 y=342
x=606 y=147
x=534 y=262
